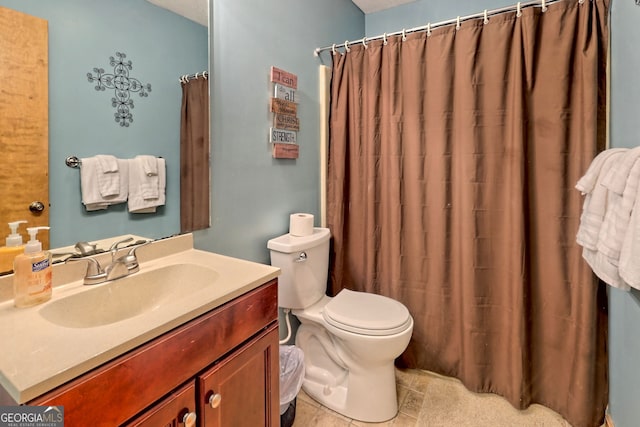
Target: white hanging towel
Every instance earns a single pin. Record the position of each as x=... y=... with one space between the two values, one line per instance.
x=108 y=176
x=629 y=267
x=595 y=202
x=144 y=185
x=597 y=199
x=149 y=185
x=92 y=183
x=622 y=183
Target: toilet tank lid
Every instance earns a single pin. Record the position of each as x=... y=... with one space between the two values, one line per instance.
x=289 y=244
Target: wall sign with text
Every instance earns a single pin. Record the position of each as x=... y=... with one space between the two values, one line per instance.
x=283 y=134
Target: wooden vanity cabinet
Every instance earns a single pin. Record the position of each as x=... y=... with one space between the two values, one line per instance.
x=234 y=392
x=230 y=352
x=177 y=409
x=238 y=391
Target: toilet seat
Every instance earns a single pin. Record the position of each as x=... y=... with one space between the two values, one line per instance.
x=366 y=314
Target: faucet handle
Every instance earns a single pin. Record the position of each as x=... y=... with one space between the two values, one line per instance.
x=93 y=266
x=133 y=250
x=130 y=260
x=114 y=246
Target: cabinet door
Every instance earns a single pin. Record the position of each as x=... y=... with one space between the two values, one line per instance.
x=176 y=410
x=243 y=389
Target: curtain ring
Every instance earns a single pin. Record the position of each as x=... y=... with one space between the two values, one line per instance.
x=486 y=18
x=346 y=46
x=458 y=23
x=333 y=49
x=429 y=29
x=544 y=5
x=518 y=10
x=404 y=35
x=384 y=39
x=580 y=1
x=364 y=42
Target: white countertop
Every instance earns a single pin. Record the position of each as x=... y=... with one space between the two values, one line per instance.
x=38 y=355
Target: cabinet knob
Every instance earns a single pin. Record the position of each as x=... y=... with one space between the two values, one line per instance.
x=214 y=400
x=189 y=419
x=36 y=207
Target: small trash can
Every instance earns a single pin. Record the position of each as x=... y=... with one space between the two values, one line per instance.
x=291 y=377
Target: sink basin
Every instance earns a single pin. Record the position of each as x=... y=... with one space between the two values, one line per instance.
x=128 y=297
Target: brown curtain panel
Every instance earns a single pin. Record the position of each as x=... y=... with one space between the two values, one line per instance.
x=194 y=156
x=452 y=164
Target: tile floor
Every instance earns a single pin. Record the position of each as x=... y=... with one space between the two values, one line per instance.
x=426 y=399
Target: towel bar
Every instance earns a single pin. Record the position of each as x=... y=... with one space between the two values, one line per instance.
x=74 y=162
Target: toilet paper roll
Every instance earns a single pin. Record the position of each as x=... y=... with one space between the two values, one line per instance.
x=301 y=224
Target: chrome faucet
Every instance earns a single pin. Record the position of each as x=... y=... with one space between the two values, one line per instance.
x=119 y=267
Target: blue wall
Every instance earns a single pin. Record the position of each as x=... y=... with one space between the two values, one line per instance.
x=254 y=194
x=421 y=12
x=624 y=308
x=162 y=46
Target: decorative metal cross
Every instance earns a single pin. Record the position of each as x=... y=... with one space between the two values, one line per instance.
x=123 y=85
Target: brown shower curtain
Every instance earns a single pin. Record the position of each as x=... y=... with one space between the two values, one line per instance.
x=194 y=155
x=452 y=164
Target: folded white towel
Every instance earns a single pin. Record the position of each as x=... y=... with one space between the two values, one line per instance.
x=90 y=188
x=149 y=164
x=605 y=269
x=595 y=202
x=617 y=178
x=611 y=212
x=147 y=169
x=620 y=204
x=108 y=176
x=628 y=265
x=107 y=162
x=587 y=183
x=140 y=183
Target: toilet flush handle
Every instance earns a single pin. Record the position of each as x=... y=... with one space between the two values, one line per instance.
x=302 y=257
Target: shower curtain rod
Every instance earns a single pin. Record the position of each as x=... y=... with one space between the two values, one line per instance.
x=185 y=78
x=485 y=15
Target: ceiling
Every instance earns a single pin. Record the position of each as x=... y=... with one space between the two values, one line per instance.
x=198 y=10
x=370 y=6
x=195 y=10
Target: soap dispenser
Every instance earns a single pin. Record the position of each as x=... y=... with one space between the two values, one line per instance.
x=32 y=272
x=13 y=248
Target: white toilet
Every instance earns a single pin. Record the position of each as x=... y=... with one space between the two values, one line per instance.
x=349 y=341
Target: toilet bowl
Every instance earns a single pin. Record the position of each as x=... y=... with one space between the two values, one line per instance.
x=349 y=341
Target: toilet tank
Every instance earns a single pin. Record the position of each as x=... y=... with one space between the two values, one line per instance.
x=304 y=265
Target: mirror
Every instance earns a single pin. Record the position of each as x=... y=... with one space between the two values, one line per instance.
x=82 y=36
